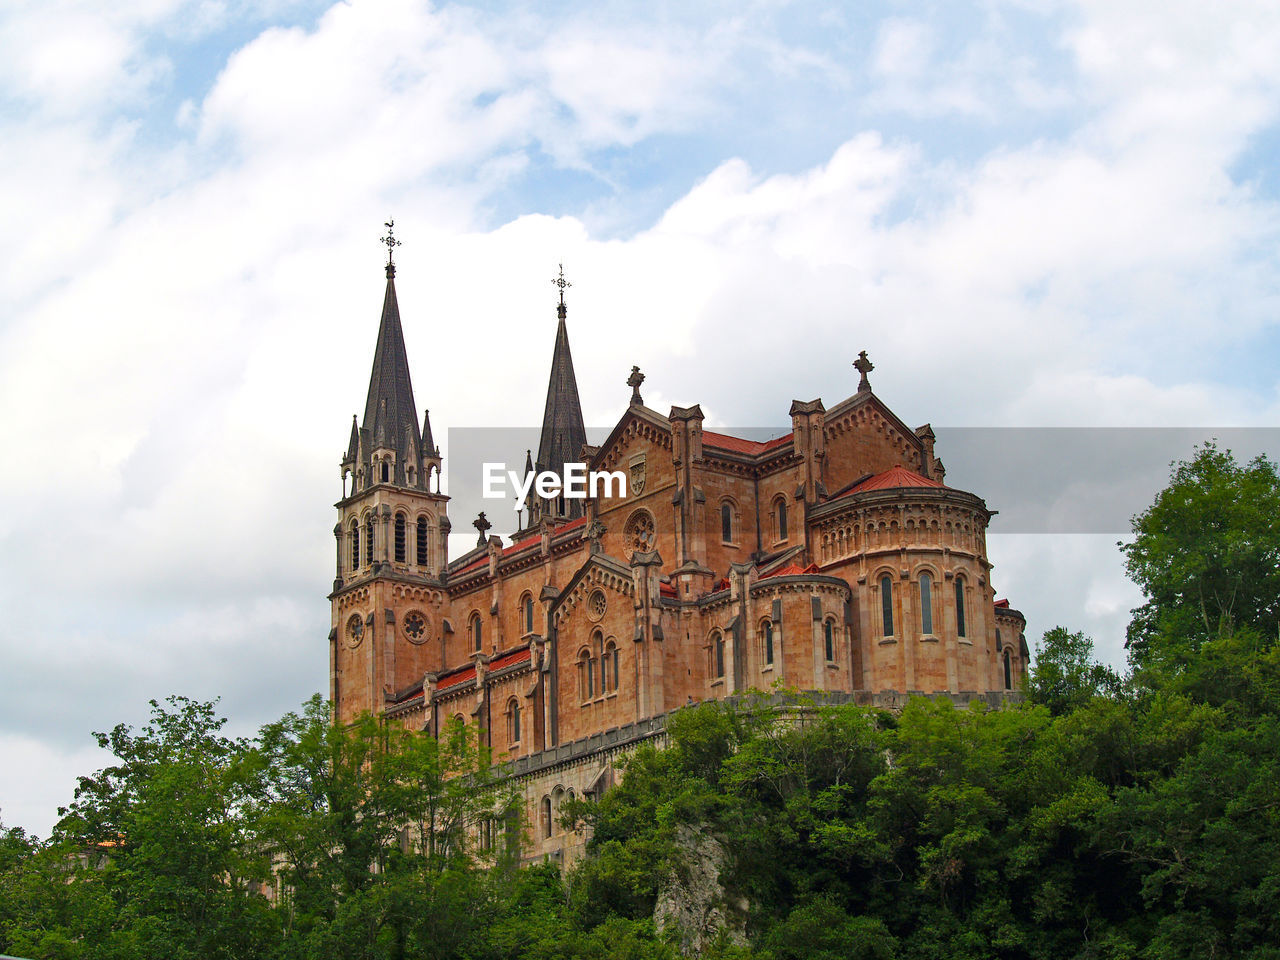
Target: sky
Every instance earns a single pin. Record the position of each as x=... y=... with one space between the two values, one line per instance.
x=1030 y=214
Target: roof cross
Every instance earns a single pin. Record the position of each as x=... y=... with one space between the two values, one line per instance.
x=864 y=366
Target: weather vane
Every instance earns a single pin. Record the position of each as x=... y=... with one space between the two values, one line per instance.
x=561 y=282
x=390 y=240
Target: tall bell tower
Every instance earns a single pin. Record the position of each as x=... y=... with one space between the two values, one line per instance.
x=392 y=535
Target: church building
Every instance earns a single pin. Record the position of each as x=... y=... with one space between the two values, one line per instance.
x=832 y=559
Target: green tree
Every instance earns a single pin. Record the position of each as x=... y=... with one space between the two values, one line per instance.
x=154 y=857
x=370 y=830
x=1206 y=554
x=1065 y=676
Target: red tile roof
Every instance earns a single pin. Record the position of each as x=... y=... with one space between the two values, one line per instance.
x=722 y=441
x=457 y=677
x=571 y=525
x=508 y=659
x=894 y=477
x=467 y=673
x=667 y=589
x=1002 y=603
x=791 y=570
x=518 y=546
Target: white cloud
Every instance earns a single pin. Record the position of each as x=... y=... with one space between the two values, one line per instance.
x=192 y=321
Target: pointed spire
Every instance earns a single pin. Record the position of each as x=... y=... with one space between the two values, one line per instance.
x=353 y=445
x=563 y=432
x=390 y=418
x=429 y=448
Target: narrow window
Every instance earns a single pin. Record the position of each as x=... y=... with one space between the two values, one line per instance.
x=926 y=604
x=591 y=677
x=1008 y=671
x=886 y=604
x=605 y=678
x=528 y=613
x=386 y=472
x=719 y=655
x=368 y=541
x=355 y=547
x=424 y=541
x=477 y=631
x=513 y=722
x=768 y=642
x=546 y=817
x=959 y=607
x=612 y=655
x=829 y=637
x=999 y=645
x=726 y=523
x=782 y=519
x=400 y=535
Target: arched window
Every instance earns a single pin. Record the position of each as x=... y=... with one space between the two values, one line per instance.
x=355 y=546
x=477 y=630
x=782 y=518
x=410 y=473
x=886 y=604
x=513 y=721
x=423 y=542
x=1008 y=671
x=726 y=522
x=999 y=645
x=960 y=632
x=926 y=604
x=829 y=640
x=585 y=675
x=557 y=798
x=546 y=818
x=609 y=667
x=717 y=653
x=368 y=540
x=526 y=612
x=386 y=471
x=400 y=536
x=767 y=629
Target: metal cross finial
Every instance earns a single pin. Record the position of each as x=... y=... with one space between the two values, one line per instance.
x=561 y=282
x=864 y=366
x=390 y=240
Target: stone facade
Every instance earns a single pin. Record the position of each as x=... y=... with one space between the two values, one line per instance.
x=833 y=559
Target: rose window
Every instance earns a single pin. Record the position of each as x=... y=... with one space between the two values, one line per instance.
x=596 y=605
x=415 y=627
x=355 y=629
x=640 y=530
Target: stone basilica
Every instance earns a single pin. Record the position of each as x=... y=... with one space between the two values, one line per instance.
x=833 y=559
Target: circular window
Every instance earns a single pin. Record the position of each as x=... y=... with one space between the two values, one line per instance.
x=415 y=627
x=355 y=630
x=639 y=530
x=596 y=605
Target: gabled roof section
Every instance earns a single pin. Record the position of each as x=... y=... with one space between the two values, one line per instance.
x=867 y=397
x=636 y=411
